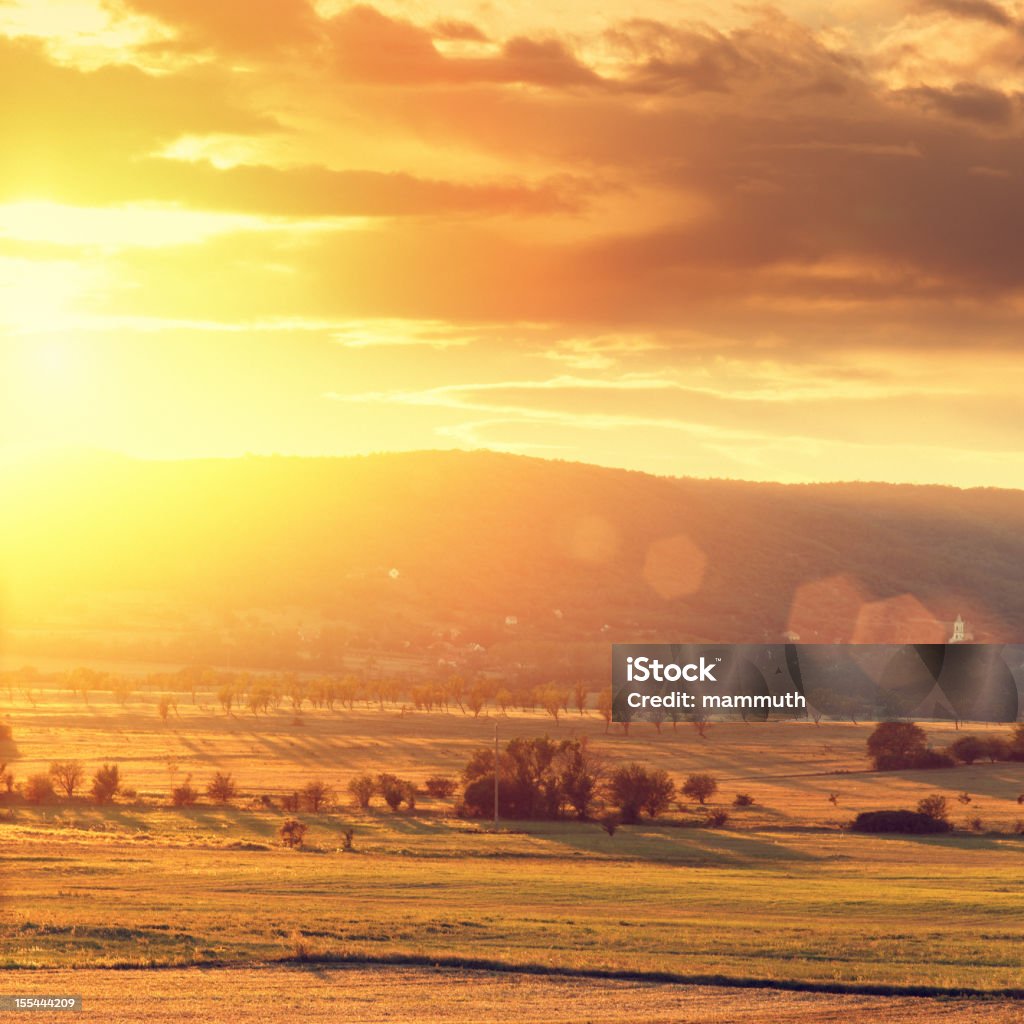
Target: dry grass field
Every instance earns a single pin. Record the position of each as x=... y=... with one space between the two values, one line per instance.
x=403 y=995
x=784 y=894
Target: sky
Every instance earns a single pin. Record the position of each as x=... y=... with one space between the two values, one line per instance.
x=774 y=243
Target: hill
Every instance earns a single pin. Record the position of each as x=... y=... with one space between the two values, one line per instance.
x=443 y=553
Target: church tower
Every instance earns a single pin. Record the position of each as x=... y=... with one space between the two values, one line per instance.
x=958 y=632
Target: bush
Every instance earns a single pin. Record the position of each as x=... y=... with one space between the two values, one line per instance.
x=441 y=786
x=39 y=789
x=221 y=788
x=743 y=800
x=716 y=819
x=293 y=833
x=69 y=775
x=362 y=789
x=396 y=791
x=610 y=823
x=184 y=795
x=315 y=795
x=910 y=822
x=290 y=802
x=700 y=788
x=106 y=783
x=934 y=807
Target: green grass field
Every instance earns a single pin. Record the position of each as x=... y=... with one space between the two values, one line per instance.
x=783 y=894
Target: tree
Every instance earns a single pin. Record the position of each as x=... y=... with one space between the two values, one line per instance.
x=604 y=706
x=475 y=701
x=362 y=789
x=579 y=776
x=580 y=694
x=106 y=783
x=221 y=788
x=226 y=696
x=968 y=749
x=700 y=788
x=68 y=775
x=39 y=789
x=634 y=789
x=661 y=790
x=293 y=833
x=551 y=699
x=315 y=795
x=894 y=745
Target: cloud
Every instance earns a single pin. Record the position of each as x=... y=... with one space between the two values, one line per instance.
x=978 y=10
x=968 y=101
x=369 y=46
x=233 y=26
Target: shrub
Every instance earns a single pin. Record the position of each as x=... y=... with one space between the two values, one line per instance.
x=976 y=824
x=716 y=819
x=912 y=822
x=290 y=802
x=362 y=789
x=184 y=795
x=700 y=788
x=441 y=786
x=293 y=833
x=106 y=783
x=935 y=807
x=39 y=789
x=314 y=795
x=346 y=840
x=610 y=823
x=221 y=788
x=964 y=798
x=68 y=775
x=396 y=791
x=743 y=800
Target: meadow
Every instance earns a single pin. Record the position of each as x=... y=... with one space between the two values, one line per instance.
x=783 y=895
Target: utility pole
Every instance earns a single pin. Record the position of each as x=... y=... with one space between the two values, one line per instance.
x=496 y=771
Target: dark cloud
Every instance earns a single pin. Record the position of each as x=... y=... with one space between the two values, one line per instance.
x=978 y=10
x=968 y=101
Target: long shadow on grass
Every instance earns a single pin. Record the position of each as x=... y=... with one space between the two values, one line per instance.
x=666 y=845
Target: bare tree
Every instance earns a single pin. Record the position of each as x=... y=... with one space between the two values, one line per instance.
x=68 y=775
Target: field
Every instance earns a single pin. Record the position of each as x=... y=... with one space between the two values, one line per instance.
x=782 y=896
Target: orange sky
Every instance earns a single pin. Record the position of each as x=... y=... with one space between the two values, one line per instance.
x=775 y=244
